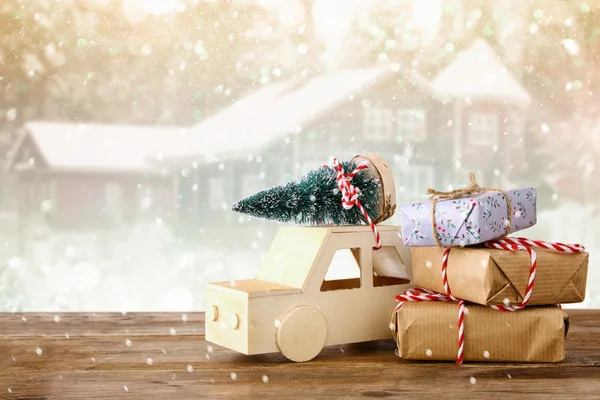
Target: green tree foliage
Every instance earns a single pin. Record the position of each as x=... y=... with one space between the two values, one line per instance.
x=314 y=199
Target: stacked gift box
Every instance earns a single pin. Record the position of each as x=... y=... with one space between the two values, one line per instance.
x=500 y=296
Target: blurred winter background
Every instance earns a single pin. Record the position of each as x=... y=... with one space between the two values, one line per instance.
x=129 y=127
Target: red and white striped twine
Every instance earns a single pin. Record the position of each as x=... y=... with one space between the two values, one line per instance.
x=561 y=247
x=511 y=245
x=515 y=244
x=420 y=294
x=350 y=194
x=508 y=243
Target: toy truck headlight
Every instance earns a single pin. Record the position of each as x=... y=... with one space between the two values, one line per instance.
x=234 y=321
x=215 y=313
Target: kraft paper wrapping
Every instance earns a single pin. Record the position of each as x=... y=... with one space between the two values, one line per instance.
x=468 y=220
x=429 y=331
x=493 y=277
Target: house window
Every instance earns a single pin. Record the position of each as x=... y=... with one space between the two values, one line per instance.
x=252 y=184
x=483 y=129
x=411 y=125
x=113 y=199
x=378 y=123
x=216 y=193
x=414 y=181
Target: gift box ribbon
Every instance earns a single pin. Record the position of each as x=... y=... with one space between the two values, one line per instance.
x=473 y=188
x=509 y=244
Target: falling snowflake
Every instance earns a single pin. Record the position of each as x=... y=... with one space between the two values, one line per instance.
x=15 y=263
x=125 y=388
x=486 y=354
x=265 y=379
x=277 y=323
x=56 y=319
x=184 y=317
x=472 y=380
x=189 y=368
x=428 y=352
x=38 y=351
x=127 y=342
x=149 y=361
x=172 y=331
x=233 y=376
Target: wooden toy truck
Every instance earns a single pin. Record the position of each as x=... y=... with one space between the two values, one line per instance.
x=291 y=308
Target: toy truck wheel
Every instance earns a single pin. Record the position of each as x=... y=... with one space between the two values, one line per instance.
x=302 y=334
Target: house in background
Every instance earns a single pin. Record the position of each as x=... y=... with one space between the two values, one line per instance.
x=101 y=176
x=383 y=109
x=91 y=176
x=489 y=114
x=469 y=118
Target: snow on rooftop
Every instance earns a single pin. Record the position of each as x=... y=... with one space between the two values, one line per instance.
x=95 y=147
x=245 y=107
x=249 y=124
x=237 y=134
x=478 y=73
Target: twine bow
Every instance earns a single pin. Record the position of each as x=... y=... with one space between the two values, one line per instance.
x=473 y=188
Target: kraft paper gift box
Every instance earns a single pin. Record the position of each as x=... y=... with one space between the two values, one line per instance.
x=494 y=277
x=428 y=330
x=468 y=220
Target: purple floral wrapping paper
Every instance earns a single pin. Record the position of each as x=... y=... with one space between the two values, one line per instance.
x=468 y=220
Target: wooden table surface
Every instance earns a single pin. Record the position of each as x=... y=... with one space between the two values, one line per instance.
x=164 y=356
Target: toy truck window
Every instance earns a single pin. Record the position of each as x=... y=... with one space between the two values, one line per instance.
x=343 y=271
x=388 y=268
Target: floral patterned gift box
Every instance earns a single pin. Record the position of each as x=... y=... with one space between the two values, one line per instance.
x=473 y=219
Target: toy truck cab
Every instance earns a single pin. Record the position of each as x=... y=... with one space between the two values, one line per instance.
x=293 y=308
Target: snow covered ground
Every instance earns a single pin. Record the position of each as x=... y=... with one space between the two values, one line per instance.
x=143 y=269
x=146 y=272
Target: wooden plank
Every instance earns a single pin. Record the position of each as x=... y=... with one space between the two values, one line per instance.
x=138 y=356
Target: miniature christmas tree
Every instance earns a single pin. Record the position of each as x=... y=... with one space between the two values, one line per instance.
x=316 y=198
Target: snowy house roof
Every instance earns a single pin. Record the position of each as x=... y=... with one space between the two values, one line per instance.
x=230 y=137
x=129 y=148
x=251 y=123
x=96 y=147
x=479 y=74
